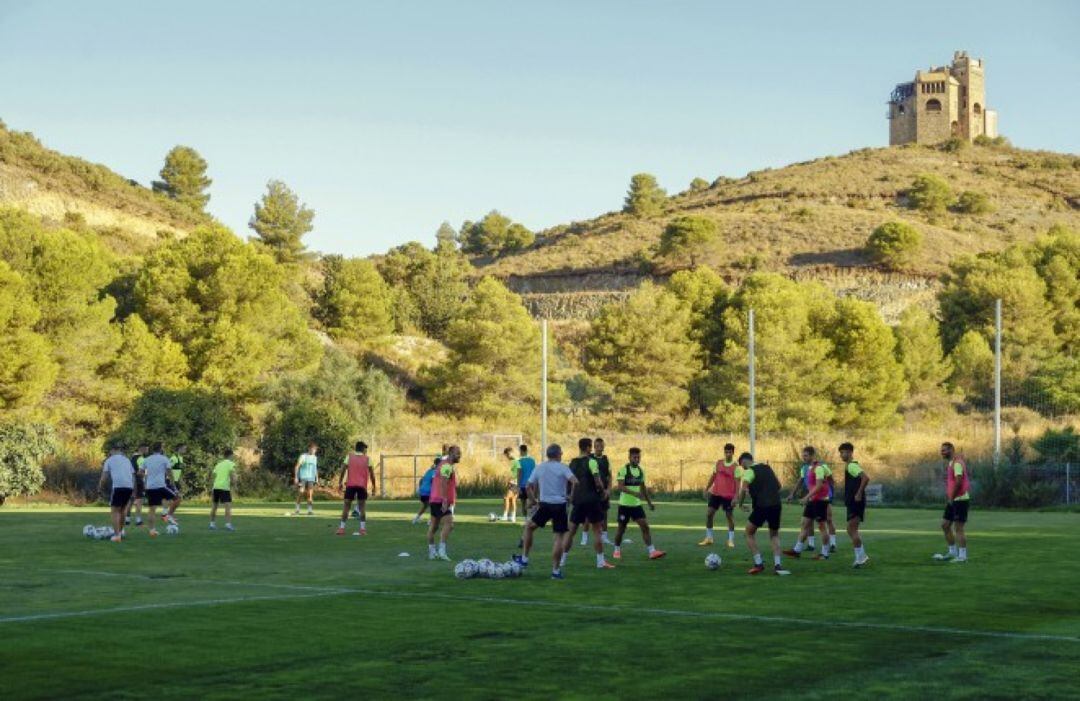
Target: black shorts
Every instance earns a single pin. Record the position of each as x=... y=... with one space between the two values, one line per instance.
x=605 y=505
x=140 y=487
x=766 y=514
x=631 y=513
x=120 y=496
x=159 y=495
x=523 y=494
x=425 y=498
x=816 y=511
x=359 y=493
x=438 y=510
x=587 y=513
x=857 y=510
x=221 y=496
x=957 y=511
x=556 y=513
x=716 y=503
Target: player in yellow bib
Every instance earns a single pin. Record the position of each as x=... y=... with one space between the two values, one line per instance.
x=632 y=490
x=224 y=480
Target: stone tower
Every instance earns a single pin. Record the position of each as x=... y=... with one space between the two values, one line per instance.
x=940 y=103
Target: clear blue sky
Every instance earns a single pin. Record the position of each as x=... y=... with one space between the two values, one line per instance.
x=390 y=117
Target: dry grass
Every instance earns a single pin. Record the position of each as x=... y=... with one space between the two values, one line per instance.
x=819 y=214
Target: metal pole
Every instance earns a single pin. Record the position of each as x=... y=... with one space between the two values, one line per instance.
x=997 y=383
x=753 y=399
x=1068 y=485
x=415 y=472
x=382 y=475
x=543 y=386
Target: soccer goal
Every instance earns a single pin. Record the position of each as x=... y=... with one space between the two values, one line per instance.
x=503 y=440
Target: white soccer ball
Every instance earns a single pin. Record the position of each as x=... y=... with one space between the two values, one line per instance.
x=88 y=531
x=712 y=561
x=485 y=568
x=515 y=568
x=492 y=517
x=101 y=533
x=460 y=571
x=470 y=567
x=500 y=571
x=172 y=529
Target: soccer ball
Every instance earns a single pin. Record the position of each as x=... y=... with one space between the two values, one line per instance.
x=172 y=529
x=88 y=531
x=492 y=517
x=460 y=571
x=515 y=568
x=470 y=567
x=499 y=572
x=712 y=561
x=101 y=533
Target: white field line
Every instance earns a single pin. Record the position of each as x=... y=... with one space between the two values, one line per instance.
x=506 y=601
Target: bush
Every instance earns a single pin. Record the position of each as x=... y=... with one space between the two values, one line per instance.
x=930 y=194
x=288 y=431
x=984 y=140
x=894 y=243
x=23 y=447
x=202 y=420
x=257 y=483
x=954 y=145
x=75 y=478
x=1058 y=446
x=971 y=202
x=687 y=235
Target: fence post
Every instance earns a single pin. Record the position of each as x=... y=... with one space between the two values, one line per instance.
x=382 y=475
x=414 y=473
x=681 y=464
x=1068 y=485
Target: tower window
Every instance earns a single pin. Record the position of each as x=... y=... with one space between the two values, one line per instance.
x=977 y=108
x=933 y=105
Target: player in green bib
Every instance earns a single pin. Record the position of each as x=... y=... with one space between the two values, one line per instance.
x=510 y=498
x=855 y=481
x=306 y=477
x=223 y=477
x=632 y=490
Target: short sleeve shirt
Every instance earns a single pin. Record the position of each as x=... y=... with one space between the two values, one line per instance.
x=120 y=471
x=630 y=495
x=309 y=468
x=156 y=467
x=222 y=475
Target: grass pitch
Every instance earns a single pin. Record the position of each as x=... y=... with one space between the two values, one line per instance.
x=283 y=608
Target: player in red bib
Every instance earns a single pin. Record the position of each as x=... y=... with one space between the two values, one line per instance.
x=957 y=501
x=443 y=497
x=720 y=491
x=355 y=478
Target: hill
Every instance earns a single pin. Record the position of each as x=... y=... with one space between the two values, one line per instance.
x=128 y=216
x=808 y=219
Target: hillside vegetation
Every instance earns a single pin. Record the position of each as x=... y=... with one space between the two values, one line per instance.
x=66 y=189
x=818 y=215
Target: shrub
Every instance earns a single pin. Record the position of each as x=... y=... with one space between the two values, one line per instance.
x=930 y=193
x=687 y=235
x=202 y=420
x=894 y=243
x=984 y=140
x=954 y=145
x=23 y=447
x=1059 y=446
x=289 y=429
x=971 y=202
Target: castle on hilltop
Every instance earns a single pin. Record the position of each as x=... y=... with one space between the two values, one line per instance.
x=941 y=103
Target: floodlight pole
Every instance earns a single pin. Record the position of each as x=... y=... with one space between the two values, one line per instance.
x=997 y=382
x=750 y=349
x=543 y=385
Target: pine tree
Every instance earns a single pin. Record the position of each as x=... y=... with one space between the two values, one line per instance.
x=645 y=198
x=642 y=349
x=354 y=302
x=26 y=370
x=494 y=359
x=281 y=221
x=918 y=348
x=687 y=236
x=184 y=179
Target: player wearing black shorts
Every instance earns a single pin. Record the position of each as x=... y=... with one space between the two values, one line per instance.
x=605 y=476
x=119 y=471
x=957 y=500
x=764 y=488
x=138 y=494
x=855 y=481
x=549 y=485
x=587 y=500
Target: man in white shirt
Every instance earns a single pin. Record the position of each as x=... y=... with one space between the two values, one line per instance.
x=157 y=469
x=118 y=470
x=549 y=484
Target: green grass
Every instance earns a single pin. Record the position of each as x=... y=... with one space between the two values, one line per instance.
x=284 y=609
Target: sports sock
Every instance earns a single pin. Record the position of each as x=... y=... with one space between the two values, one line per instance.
x=810 y=541
x=652 y=549
x=963 y=553
x=731 y=536
x=757 y=559
x=363 y=525
x=600 y=560
x=859 y=553
x=798 y=546
x=431 y=548
x=524 y=559
x=341 y=524
x=442 y=547
x=708 y=533
x=952 y=550
x=832 y=541
x=584 y=538
x=603 y=536
x=776 y=560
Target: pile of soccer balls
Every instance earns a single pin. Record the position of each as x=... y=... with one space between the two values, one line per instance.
x=98 y=532
x=712 y=561
x=173 y=529
x=486 y=569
